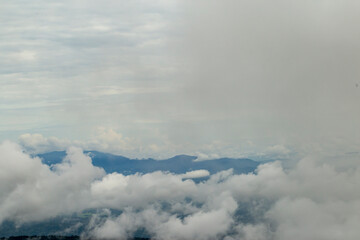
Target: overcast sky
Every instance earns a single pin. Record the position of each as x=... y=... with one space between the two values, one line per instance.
x=158 y=78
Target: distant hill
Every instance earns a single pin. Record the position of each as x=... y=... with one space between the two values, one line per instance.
x=56 y=228
x=178 y=164
x=53 y=237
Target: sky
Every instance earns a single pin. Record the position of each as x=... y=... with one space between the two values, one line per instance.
x=159 y=78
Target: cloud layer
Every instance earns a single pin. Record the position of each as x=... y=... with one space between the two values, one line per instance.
x=314 y=200
x=234 y=76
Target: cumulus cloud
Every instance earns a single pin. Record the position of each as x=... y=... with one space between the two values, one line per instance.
x=38 y=143
x=109 y=140
x=313 y=200
x=104 y=139
x=208 y=222
x=140 y=190
x=277 y=150
x=32 y=191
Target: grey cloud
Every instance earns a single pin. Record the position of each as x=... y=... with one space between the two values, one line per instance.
x=279 y=72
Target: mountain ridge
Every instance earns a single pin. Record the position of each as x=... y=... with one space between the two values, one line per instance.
x=178 y=164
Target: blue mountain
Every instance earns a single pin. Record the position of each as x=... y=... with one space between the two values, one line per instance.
x=178 y=164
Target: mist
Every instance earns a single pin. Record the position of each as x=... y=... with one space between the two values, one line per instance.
x=274 y=72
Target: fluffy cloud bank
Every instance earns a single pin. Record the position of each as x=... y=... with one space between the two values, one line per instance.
x=31 y=190
x=314 y=200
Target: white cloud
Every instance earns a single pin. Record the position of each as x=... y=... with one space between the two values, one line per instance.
x=210 y=224
x=30 y=191
x=38 y=143
x=314 y=199
x=205 y=223
x=277 y=150
x=110 y=140
x=196 y=174
x=140 y=190
x=104 y=139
